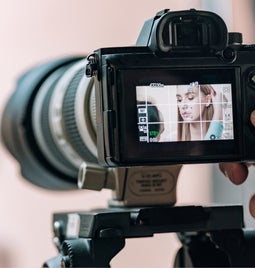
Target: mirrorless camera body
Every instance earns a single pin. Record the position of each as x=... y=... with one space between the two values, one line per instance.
x=153 y=99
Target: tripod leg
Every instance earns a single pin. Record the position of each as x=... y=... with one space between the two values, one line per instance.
x=182 y=258
x=239 y=245
x=199 y=251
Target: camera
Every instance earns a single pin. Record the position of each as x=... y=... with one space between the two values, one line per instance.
x=183 y=94
x=126 y=119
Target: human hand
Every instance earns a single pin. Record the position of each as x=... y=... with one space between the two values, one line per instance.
x=238 y=172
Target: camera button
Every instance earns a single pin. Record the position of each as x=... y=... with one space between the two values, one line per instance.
x=229 y=54
x=251 y=78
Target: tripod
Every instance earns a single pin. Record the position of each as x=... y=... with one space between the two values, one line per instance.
x=211 y=236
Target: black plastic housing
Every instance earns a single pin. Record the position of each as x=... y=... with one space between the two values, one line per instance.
x=122 y=69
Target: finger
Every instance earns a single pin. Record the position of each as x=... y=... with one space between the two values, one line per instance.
x=252 y=118
x=236 y=172
x=252 y=206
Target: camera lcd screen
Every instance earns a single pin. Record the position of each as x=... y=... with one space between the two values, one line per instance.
x=178 y=115
x=185 y=112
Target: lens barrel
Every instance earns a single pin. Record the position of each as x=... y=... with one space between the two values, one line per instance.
x=50 y=120
x=60 y=118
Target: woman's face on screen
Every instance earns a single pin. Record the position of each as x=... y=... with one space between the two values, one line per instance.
x=191 y=102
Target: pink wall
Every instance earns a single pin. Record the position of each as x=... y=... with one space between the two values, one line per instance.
x=35 y=31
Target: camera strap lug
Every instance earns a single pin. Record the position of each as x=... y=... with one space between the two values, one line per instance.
x=91 y=67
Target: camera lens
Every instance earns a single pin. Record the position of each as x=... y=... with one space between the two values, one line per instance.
x=63 y=118
x=49 y=123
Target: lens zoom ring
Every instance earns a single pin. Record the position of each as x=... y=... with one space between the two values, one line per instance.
x=47 y=131
x=69 y=119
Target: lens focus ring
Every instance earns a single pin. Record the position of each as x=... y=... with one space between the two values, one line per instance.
x=69 y=118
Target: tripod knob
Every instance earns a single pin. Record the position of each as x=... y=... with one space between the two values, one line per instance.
x=91 y=252
x=74 y=253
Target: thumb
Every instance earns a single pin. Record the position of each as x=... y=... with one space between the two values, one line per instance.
x=252 y=118
x=252 y=206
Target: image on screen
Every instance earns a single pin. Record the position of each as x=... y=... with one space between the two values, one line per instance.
x=190 y=112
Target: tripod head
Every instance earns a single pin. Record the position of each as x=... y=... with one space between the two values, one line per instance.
x=208 y=240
